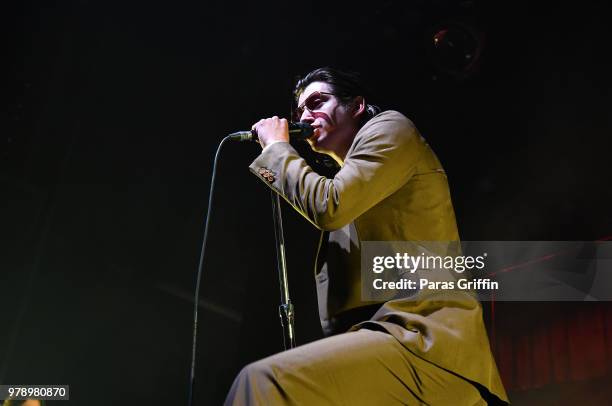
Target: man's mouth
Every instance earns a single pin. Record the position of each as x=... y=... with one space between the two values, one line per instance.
x=320 y=116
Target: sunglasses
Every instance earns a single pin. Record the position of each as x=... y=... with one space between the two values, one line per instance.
x=312 y=102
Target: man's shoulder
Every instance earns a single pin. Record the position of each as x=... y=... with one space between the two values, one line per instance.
x=389 y=126
x=389 y=115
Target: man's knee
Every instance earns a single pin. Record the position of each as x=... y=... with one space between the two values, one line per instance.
x=259 y=371
x=254 y=385
x=258 y=382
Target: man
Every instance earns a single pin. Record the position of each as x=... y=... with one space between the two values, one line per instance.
x=390 y=187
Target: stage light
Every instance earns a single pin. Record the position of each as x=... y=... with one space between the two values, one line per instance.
x=455 y=49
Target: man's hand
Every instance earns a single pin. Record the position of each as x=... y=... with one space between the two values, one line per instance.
x=271 y=130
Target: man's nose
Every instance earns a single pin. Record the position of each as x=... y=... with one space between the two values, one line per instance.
x=307 y=117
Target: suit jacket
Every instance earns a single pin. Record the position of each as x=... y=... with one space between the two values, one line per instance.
x=391 y=187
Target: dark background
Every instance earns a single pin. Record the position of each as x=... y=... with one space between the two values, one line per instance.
x=113 y=111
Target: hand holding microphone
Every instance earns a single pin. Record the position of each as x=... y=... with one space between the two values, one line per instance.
x=270 y=130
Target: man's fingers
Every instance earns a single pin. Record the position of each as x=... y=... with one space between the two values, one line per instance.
x=270 y=121
x=256 y=124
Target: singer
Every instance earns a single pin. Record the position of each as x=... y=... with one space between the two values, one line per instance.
x=390 y=187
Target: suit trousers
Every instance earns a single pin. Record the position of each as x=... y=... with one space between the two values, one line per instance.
x=363 y=367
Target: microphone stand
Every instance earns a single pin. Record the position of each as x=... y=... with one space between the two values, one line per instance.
x=285 y=310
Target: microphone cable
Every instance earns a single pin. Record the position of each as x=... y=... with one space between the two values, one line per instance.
x=299 y=129
x=199 y=273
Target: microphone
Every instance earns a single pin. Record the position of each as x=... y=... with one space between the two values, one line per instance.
x=299 y=131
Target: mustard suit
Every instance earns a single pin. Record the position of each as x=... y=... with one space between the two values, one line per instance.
x=410 y=351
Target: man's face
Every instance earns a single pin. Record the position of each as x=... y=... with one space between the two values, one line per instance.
x=334 y=123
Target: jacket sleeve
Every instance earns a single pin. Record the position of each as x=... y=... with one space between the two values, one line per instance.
x=381 y=160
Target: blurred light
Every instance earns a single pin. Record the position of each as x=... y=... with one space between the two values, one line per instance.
x=455 y=49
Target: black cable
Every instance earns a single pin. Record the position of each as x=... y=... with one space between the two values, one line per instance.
x=199 y=275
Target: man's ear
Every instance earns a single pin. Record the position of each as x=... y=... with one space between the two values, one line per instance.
x=359 y=106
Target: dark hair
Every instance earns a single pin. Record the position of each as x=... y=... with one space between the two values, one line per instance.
x=346 y=86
